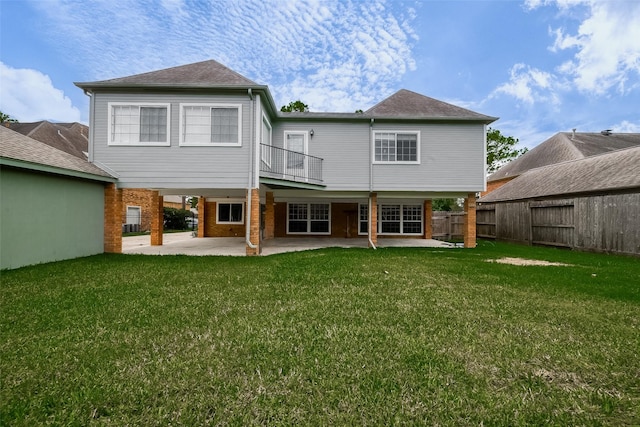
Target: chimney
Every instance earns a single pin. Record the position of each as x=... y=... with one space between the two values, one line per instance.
x=573 y=134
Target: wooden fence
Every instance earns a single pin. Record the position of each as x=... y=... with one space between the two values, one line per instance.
x=448 y=225
x=602 y=223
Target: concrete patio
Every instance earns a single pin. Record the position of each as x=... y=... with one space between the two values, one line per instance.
x=186 y=244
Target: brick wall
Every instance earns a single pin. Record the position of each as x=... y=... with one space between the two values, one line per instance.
x=112 y=219
x=138 y=197
x=213 y=229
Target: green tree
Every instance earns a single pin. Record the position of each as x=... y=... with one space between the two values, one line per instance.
x=295 y=106
x=446 y=205
x=5 y=118
x=501 y=149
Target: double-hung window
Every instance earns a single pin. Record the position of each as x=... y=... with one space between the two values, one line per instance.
x=308 y=218
x=211 y=124
x=138 y=124
x=230 y=213
x=396 y=147
x=266 y=142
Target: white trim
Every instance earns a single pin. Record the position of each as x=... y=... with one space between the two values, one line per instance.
x=305 y=144
x=379 y=221
x=210 y=144
x=139 y=209
x=327 y=233
x=265 y=120
x=219 y=202
x=396 y=132
x=111 y=105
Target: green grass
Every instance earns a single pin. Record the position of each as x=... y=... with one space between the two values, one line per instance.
x=327 y=337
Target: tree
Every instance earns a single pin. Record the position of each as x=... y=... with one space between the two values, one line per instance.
x=5 y=118
x=447 y=205
x=501 y=149
x=295 y=106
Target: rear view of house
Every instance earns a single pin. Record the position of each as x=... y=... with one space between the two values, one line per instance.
x=203 y=129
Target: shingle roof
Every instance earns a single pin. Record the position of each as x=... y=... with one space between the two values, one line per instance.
x=564 y=146
x=72 y=138
x=617 y=170
x=14 y=145
x=200 y=74
x=408 y=104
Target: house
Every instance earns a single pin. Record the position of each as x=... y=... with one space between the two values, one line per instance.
x=73 y=138
x=562 y=147
x=203 y=129
x=51 y=203
x=591 y=202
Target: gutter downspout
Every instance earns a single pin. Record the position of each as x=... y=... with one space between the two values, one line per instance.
x=370 y=181
x=247 y=234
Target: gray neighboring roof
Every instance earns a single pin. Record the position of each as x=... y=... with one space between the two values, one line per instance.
x=407 y=104
x=72 y=138
x=563 y=147
x=31 y=153
x=613 y=171
x=200 y=74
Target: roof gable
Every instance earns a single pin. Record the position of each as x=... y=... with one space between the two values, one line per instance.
x=407 y=104
x=199 y=74
x=72 y=138
x=617 y=170
x=16 y=146
x=566 y=146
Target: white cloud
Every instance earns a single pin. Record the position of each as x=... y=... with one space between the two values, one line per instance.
x=337 y=48
x=626 y=127
x=29 y=96
x=607 y=45
x=530 y=85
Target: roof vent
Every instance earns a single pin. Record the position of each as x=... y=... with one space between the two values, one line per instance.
x=606 y=132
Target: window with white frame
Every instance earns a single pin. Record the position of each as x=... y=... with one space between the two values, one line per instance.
x=393 y=219
x=211 y=124
x=266 y=141
x=230 y=213
x=308 y=218
x=138 y=124
x=396 y=147
x=133 y=215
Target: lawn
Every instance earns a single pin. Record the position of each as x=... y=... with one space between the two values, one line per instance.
x=326 y=337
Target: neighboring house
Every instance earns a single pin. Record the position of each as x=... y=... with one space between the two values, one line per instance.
x=51 y=203
x=592 y=203
x=73 y=138
x=203 y=129
x=562 y=147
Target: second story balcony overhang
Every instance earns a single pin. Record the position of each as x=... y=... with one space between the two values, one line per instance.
x=289 y=168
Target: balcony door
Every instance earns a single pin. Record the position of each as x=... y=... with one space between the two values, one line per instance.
x=295 y=156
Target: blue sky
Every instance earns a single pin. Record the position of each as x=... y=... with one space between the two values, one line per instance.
x=542 y=66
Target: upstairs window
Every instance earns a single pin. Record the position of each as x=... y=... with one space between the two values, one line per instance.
x=137 y=124
x=396 y=147
x=210 y=124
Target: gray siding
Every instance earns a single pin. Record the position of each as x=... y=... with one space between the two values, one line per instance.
x=173 y=166
x=344 y=148
x=451 y=156
x=451 y=160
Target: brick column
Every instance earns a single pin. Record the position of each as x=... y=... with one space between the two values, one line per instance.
x=373 y=218
x=269 y=216
x=254 y=218
x=428 y=216
x=470 y=221
x=157 y=219
x=112 y=219
x=202 y=216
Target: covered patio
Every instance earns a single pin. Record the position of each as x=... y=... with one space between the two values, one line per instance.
x=186 y=244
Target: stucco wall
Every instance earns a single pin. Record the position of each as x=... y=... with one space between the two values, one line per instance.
x=47 y=218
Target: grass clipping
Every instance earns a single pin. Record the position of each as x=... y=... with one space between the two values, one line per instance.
x=523 y=261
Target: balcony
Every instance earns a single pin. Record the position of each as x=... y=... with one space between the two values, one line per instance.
x=280 y=164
